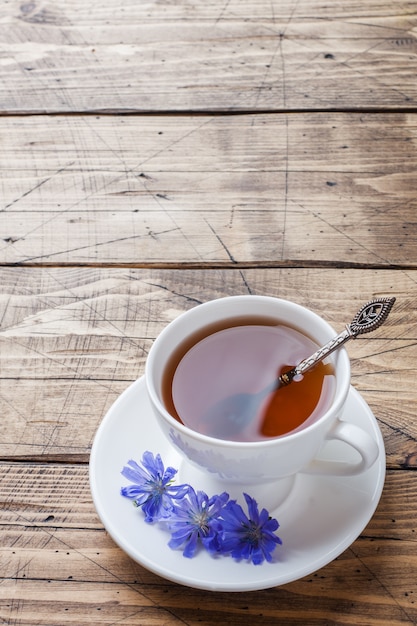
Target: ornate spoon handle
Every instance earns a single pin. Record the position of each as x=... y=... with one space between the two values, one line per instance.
x=372 y=315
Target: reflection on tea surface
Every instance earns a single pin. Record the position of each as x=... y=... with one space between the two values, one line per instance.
x=245 y=357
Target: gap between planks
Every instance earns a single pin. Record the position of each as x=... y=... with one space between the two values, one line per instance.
x=192 y=265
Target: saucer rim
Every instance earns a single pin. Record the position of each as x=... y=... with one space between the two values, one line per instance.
x=198 y=581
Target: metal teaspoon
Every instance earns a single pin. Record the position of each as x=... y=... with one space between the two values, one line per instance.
x=229 y=416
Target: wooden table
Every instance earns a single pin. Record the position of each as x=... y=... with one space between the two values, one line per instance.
x=159 y=154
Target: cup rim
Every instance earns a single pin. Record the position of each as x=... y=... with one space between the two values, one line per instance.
x=332 y=412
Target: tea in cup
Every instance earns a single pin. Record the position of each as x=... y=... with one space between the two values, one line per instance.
x=236 y=347
x=232 y=368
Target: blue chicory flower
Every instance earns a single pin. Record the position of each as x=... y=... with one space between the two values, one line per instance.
x=192 y=521
x=244 y=537
x=217 y=523
x=152 y=489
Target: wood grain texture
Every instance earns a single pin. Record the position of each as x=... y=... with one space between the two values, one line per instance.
x=59 y=566
x=158 y=154
x=71 y=340
x=222 y=56
x=327 y=189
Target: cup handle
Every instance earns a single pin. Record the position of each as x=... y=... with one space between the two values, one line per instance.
x=355 y=437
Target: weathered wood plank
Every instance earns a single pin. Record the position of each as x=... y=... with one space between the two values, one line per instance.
x=209 y=190
x=46 y=502
x=67 y=602
x=323 y=599
x=73 y=339
x=52 y=542
x=224 y=56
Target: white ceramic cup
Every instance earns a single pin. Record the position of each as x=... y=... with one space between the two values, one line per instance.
x=267 y=461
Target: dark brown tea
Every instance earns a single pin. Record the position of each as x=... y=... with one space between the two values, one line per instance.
x=234 y=362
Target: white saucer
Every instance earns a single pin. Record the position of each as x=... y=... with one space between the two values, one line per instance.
x=321 y=517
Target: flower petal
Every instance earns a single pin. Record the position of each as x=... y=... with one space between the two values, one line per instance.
x=134 y=473
x=191 y=545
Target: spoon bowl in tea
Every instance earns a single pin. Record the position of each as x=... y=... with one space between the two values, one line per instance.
x=228 y=417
